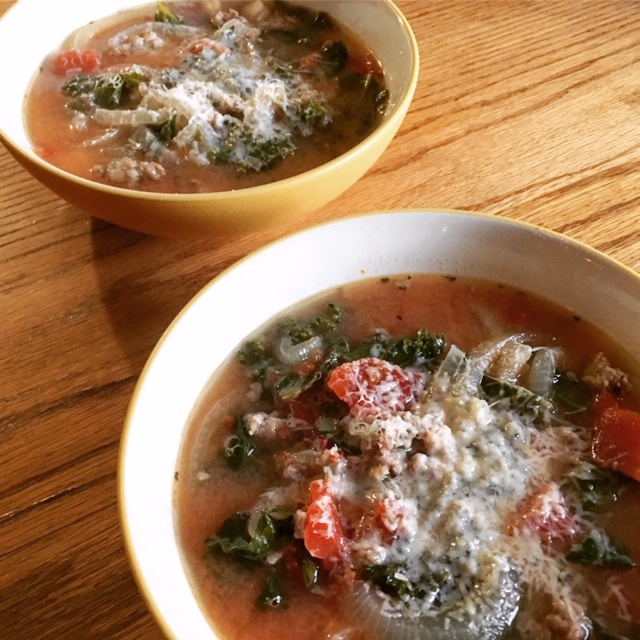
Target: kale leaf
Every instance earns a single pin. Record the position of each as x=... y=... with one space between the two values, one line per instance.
x=569 y=392
x=516 y=397
x=391 y=579
x=107 y=90
x=333 y=57
x=283 y=381
x=599 y=549
x=420 y=350
x=165 y=132
x=274 y=595
x=594 y=486
x=310 y=571
x=234 y=538
x=321 y=325
x=239 y=446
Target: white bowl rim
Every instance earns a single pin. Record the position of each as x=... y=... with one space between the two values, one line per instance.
x=593 y=258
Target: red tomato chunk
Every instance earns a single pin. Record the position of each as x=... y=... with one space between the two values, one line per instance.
x=371 y=386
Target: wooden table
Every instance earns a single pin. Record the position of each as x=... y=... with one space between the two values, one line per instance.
x=527 y=110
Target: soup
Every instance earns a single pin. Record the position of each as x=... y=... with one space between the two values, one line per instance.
x=205 y=96
x=416 y=457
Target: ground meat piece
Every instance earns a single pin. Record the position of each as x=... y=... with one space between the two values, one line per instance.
x=132 y=41
x=129 y=171
x=601 y=375
x=561 y=625
x=553 y=619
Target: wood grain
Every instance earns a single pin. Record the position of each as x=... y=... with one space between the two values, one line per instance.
x=525 y=109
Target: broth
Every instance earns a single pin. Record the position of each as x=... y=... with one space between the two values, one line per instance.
x=602 y=599
x=195 y=97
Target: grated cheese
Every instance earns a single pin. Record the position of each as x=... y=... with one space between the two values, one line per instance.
x=458 y=468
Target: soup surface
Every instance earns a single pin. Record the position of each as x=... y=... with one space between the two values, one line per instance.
x=416 y=457
x=204 y=96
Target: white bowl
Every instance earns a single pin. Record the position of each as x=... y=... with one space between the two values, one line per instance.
x=200 y=339
x=379 y=23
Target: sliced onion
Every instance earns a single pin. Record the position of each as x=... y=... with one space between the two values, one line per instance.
x=291 y=353
x=453 y=363
x=541 y=374
x=130 y=117
x=104 y=139
x=481 y=357
x=510 y=360
x=493 y=614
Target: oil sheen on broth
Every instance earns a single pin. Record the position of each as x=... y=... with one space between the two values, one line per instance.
x=191 y=97
x=416 y=457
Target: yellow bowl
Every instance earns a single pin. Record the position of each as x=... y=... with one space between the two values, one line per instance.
x=378 y=22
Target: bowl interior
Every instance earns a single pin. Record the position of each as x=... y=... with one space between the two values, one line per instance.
x=378 y=22
x=201 y=338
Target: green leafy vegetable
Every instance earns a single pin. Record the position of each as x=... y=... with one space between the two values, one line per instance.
x=165 y=14
x=392 y=580
x=269 y=150
x=239 y=446
x=107 y=90
x=314 y=113
x=234 y=539
x=273 y=596
x=323 y=324
x=370 y=98
x=594 y=486
x=333 y=57
x=570 y=393
x=517 y=398
x=165 y=132
x=420 y=350
x=282 y=380
x=599 y=549
x=310 y=571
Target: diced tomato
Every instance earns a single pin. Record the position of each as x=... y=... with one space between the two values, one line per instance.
x=366 y=64
x=307 y=406
x=545 y=515
x=616 y=440
x=604 y=401
x=323 y=534
x=76 y=61
x=371 y=386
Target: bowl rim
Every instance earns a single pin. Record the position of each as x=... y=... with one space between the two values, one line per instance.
x=584 y=249
x=396 y=113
